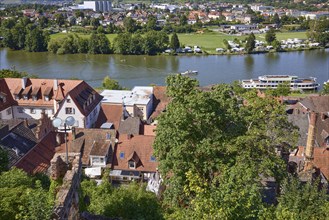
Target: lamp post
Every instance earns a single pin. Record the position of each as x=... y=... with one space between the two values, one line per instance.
x=69 y=121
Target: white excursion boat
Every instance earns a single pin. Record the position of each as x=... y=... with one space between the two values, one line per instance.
x=189 y=72
x=272 y=82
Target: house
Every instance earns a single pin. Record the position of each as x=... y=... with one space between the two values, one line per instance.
x=138 y=102
x=28 y=143
x=133 y=158
x=37 y=160
x=6 y=101
x=95 y=145
x=56 y=98
x=160 y=100
x=319 y=105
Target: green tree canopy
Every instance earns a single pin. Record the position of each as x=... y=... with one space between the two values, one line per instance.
x=250 y=45
x=214 y=149
x=270 y=36
x=111 y=84
x=174 y=42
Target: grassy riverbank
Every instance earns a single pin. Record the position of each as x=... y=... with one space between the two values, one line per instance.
x=208 y=41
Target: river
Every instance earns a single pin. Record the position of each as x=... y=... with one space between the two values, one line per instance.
x=146 y=70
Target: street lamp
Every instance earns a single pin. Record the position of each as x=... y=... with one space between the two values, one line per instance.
x=69 y=121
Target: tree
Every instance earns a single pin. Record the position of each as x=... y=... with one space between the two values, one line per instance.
x=250 y=45
x=283 y=89
x=122 y=43
x=227 y=45
x=129 y=24
x=174 y=42
x=8 y=73
x=134 y=202
x=276 y=19
x=183 y=20
x=3 y=160
x=325 y=88
x=302 y=201
x=270 y=36
x=151 y=23
x=60 y=20
x=226 y=145
x=23 y=197
x=111 y=84
x=99 y=44
x=36 y=40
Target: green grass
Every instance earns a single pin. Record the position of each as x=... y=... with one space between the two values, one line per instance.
x=208 y=41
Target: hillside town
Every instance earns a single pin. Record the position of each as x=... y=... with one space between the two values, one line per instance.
x=116 y=129
x=254 y=148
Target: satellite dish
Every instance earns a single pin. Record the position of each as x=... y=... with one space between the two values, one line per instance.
x=57 y=122
x=70 y=121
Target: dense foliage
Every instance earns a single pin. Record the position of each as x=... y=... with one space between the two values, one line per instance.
x=126 y=202
x=24 y=197
x=215 y=150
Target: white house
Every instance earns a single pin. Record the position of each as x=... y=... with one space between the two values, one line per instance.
x=56 y=98
x=138 y=102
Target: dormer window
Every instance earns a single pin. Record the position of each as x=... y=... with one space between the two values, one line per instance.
x=3 y=98
x=46 y=98
x=25 y=97
x=17 y=97
x=131 y=164
x=34 y=98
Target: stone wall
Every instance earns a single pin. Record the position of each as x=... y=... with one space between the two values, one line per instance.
x=67 y=198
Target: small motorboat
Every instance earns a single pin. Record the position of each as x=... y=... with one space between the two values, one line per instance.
x=189 y=72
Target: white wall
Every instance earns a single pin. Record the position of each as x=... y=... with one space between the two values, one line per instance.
x=27 y=113
x=78 y=116
x=6 y=113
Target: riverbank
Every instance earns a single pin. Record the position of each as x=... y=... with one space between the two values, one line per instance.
x=132 y=70
x=207 y=41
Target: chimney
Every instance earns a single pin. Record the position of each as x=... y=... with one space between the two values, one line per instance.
x=73 y=133
x=26 y=123
x=310 y=138
x=24 y=81
x=323 y=116
x=55 y=84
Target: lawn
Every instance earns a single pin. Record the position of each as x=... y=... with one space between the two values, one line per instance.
x=208 y=41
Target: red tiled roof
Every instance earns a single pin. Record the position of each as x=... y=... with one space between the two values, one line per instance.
x=109 y=113
x=321 y=159
x=85 y=140
x=139 y=146
x=4 y=91
x=149 y=130
x=37 y=160
x=80 y=95
x=161 y=100
x=46 y=86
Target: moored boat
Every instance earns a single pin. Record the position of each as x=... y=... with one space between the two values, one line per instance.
x=190 y=72
x=272 y=82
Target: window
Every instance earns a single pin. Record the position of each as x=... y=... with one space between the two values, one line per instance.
x=20 y=110
x=108 y=136
x=25 y=97
x=46 y=98
x=122 y=155
x=69 y=111
x=17 y=97
x=8 y=111
x=34 y=98
x=131 y=164
x=68 y=100
x=33 y=111
x=152 y=159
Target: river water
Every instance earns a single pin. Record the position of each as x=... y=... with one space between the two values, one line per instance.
x=145 y=70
